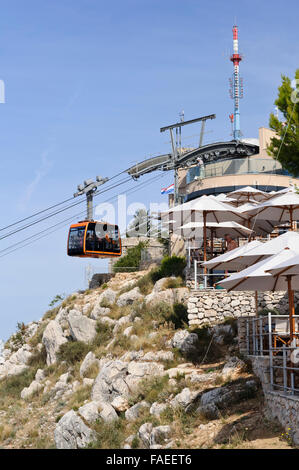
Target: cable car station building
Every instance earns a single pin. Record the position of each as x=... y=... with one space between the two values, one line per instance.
x=226 y=166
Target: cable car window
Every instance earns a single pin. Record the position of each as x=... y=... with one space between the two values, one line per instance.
x=106 y=237
x=76 y=240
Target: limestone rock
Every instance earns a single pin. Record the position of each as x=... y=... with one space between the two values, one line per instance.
x=110 y=382
x=81 y=327
x=33 y=388
x=120 y=404
x=108 y=413
x=133 y=413
x=99 y=312
x=186 y=342
x=159 y=434
x=88 y=361
x=233 y=367
x=90 y=411
x=72 y=433
x=169 y=296
x=141 y=369
x=157 y=408
x=128 y=298
x=187 y=399
x=144 y=434
x=52 y=340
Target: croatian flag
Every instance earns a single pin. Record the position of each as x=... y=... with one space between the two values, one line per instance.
x=168 y=190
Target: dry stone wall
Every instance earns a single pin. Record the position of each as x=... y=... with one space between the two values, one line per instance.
x=213 y=306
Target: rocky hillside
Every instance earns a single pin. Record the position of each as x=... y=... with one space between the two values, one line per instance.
x=117 y=367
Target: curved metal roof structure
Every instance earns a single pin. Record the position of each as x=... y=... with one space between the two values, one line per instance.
x=208 y=153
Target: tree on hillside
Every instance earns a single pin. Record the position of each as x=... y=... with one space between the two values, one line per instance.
x=285 y=146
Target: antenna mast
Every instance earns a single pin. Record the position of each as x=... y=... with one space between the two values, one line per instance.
x=236 y=85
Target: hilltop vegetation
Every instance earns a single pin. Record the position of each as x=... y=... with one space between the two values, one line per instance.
x=118 y=366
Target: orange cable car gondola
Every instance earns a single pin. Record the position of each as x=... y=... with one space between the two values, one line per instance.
x=92 y=239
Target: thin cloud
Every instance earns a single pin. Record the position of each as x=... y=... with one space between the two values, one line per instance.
x=40 y=173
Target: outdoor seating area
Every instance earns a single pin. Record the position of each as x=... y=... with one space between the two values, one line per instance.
x=263 y=263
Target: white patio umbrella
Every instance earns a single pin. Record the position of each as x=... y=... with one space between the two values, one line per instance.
x=219 y=230
x=212 y=210
x=258 y=278
x=289 y=270
x=260 y=226
x=233 y=259
x=281 y=208
x=247 y=193
x=250 y=254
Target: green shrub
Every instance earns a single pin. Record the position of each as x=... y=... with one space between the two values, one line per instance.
x=180 y=316
x=145 y=284
x=56 y=299
x=72 y=351
x=265 y=311
x=109 y=435
x=152 y=389
x=170 y=266
x=38 y=359
x=103 y=336
x=130 y=262
x=12 y=386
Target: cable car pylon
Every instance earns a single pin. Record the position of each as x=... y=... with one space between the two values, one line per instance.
x=88 y=188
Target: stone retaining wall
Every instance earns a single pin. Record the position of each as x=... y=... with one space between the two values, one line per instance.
x=210 y=306
x=284 y=408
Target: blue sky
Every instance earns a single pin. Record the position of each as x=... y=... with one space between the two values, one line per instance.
x=89 y=83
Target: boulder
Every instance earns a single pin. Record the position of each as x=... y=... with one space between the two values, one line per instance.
x=186 y=342
x=158 y=287
x=110 y=382
x=233 y=368
x=128 y=298
x=121 y=322
x=108 y=413
x=169 y=296
x=99 y=312
x=90 y=411
x=52 y=340
x=158 y=356
x=141 y=369
x=157 y=408
x=134 y=412
x=144 y=433
x=72 y=433
x=88 y=361
x=159 y=434
x=16 y=362
x=120 y=404
x=40 y=375
x=88 y=382
x=186 y=399
x=33 y=388
x=108 y=297
x=107 y=321
x=81 y=327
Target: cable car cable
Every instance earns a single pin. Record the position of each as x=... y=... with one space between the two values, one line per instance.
x=65 y=222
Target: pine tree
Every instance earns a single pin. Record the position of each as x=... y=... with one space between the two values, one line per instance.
x=285 y=146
